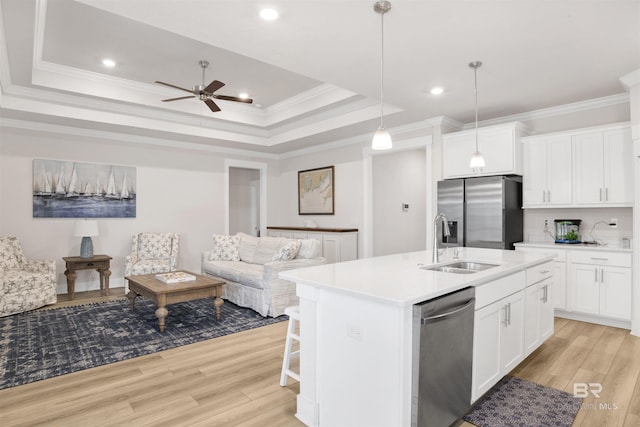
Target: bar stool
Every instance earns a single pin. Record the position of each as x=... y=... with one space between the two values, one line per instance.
x=294 y=316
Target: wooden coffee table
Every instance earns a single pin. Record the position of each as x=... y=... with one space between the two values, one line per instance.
x=163 y=294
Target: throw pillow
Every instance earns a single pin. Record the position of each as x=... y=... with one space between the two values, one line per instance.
x=309 y=249
x=225 y=248
x=267 y=247
x=288 y=251
x=248 y=247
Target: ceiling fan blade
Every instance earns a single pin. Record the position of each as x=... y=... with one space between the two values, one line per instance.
x=174 y=86
x=233 y=98
x=177 y=99
x=212 y=105
x=213 y=86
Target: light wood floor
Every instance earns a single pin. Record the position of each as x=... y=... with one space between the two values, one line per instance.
x=233 y=381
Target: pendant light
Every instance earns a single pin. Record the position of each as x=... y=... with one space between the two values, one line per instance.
x=477 y=160
x=381 y=139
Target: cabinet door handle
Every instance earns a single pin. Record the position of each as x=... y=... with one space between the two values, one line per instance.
x=606 y=194
x=600 y=193
x=602 y=275
x=544 y=196
x=545 y=271
x=599 y=259
x=596 y=271
x=548 y=196
x=509 y=317
x=505 y=321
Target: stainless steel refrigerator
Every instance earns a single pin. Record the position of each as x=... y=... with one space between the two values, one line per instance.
x=483 y=212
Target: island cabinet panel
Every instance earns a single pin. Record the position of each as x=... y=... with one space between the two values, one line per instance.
x=498 y=331
x=538 y=306
x=559 y=288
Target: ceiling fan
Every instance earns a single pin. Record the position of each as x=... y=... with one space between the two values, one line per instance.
x=206 y=93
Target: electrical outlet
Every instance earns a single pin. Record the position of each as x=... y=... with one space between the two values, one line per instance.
x=613 y=223
x=405 y=206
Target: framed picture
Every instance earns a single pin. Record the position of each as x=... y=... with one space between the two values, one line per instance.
x=315 y=191
x=83 y=190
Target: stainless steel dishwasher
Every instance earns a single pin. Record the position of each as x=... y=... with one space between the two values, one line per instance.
x=442 y=359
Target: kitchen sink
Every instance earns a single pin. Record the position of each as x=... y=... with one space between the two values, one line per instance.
x=470 y=265
x=460 y=267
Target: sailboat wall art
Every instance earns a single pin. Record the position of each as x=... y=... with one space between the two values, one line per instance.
x=83 y=190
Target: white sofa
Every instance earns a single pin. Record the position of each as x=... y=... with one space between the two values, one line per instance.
x=250 y=266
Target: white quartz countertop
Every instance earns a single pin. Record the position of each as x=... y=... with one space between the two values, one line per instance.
x=576 y=246
x=399 y=280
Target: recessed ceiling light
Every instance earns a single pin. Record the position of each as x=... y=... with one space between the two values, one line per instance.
x=437 y=91
x=243 y=95
x=269 y=14
x=109 y=63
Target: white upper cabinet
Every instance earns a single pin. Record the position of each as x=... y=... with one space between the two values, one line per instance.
x=579 y=168
x=547 y=167
x=603 y=168
x=500 y=146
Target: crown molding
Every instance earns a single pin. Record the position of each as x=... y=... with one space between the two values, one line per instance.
x=446 y=122
x=590 y=104
x=128 y=138
x=630 y=80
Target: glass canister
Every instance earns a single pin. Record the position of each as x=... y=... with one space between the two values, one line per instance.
x=567 y=230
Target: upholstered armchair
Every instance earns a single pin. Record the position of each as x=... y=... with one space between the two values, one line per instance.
x=24 y=284
x=152 y=253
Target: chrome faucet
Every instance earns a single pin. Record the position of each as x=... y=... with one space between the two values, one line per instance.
x=445 y=230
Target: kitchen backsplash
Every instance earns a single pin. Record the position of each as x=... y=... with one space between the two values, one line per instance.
x=534 y=223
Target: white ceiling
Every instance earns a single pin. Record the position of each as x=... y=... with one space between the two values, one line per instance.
x=315 y=72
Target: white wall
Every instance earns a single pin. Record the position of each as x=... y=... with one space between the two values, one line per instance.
x=347 y=187
x=399 y=177
x=178 y=190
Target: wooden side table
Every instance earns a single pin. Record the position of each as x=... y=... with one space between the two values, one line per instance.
x=100 y=263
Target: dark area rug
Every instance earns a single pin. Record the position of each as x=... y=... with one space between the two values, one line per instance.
x=516 y=402
x=45 y=343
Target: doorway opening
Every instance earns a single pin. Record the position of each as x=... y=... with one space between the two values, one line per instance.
x=245 y=197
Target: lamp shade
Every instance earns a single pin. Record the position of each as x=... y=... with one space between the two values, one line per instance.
x=85 y=228
x=477 y=160
x=381 y=140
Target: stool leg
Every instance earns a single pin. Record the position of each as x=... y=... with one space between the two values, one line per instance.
x=287 y=352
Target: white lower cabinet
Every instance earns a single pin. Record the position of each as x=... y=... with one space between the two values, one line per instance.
x=498 y=343
x=514 y=316
x=498 y=331
x=600 y=284
x=538 y=313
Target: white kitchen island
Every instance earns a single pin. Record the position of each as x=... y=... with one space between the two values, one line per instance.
x=356 y=326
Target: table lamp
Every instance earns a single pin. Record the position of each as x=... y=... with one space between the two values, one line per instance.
x=86 y=229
